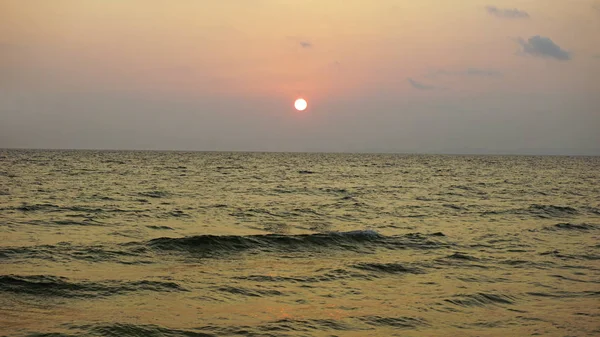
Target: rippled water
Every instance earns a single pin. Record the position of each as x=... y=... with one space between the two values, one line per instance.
x=230 y=244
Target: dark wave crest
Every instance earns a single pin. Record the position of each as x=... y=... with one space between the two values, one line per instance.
x=481 y=299
x=65 y=252
x=566 y=226
x=395 y=322
x=566 y=294
x=120 y=329
x=353 y=241
x=276 y=328
x=297 y=325
x=332 y=275
x=388 y=268
x=49 y=285
x=552 y=210
x=52 y=208
x=462 y=256
x=543 y=211
x=214 y=246
x=249 y=292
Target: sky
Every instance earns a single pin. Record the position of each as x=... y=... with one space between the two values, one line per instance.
x=427 y=76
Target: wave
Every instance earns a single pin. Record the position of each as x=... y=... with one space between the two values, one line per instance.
x=52 y=208
x=270 y=329
x=462 y=256
x=214 y=246
x=361 y=240
x=552 y=210
x=65 y=252
x=541 y=211
x=593 y=210
x=566 y=294
x=518 y=263
x=85 y=222
x=49 y=285
x=36 y=207
x=154 y=194
x=249 y=292
x=119 y=330
x=175 y=214
x=337 y=274
x=388 y=268
x=395 y=322
x=304 y=325
x=556 y=253
x=159 y=227
x=459 y=259
x=276 y=328
x=566 y=226
x=481 y=299
x=469 y=189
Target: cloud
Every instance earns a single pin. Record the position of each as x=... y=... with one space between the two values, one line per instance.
x=543 y=47
x=305 y=44
x=507 y=13
x=419 y=85
x=302 y=41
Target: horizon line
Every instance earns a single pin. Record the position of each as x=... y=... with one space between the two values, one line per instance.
x=432 y=153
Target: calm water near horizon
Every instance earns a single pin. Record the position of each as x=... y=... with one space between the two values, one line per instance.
x=140 y=243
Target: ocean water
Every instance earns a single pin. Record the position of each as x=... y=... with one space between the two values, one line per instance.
x=98 y=243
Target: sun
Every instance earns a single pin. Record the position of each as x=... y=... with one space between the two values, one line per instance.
x=300 y=104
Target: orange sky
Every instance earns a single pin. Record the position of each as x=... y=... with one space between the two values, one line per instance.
x=253 y=47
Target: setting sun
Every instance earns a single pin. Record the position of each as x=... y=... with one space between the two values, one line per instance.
x=300 y=104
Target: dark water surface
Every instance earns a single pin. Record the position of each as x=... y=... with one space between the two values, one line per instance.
x=101 y=243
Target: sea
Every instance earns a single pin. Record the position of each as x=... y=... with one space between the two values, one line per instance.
x=142 y=243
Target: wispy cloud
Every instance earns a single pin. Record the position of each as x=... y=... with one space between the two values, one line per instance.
x=543 y=47
x=305 y=44
x=300 y=41
x=510 y=13
x=419 y=85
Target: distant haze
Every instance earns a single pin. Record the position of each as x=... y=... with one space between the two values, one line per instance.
x=427 y=76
